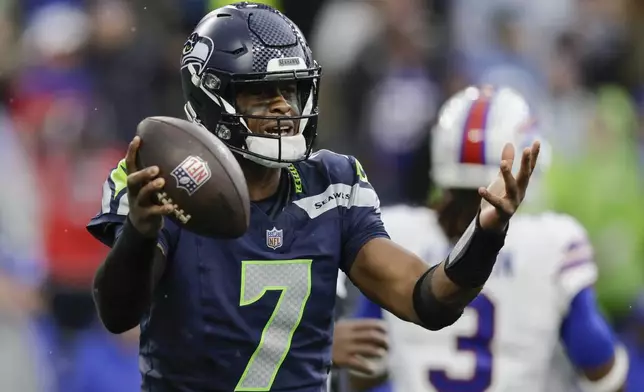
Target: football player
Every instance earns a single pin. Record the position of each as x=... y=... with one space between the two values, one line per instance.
x=539 y=296
x=256 y=313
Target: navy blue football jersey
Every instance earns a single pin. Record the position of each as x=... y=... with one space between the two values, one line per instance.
x=255 y=313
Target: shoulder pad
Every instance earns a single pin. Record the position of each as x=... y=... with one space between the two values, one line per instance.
x=340 y=168
x=558 y=239
x=555 y=227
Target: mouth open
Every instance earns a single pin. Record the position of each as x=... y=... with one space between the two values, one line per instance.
x=280 y=128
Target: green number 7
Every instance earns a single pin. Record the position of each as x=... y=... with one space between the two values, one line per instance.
x=293 y=279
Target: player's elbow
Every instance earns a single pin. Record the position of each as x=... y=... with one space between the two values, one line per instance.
x=117 y=316
x=120 y=301
x=117 y=327
x=441 y=320
x=114 y=320
x=432 y=313
x=610 y=376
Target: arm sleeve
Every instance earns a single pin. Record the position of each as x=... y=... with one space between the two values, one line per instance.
x=361 y=220
x=167 y=236
x=587 y=338
x=106 y=226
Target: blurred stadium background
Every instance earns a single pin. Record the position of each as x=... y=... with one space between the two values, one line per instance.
x=76 y=77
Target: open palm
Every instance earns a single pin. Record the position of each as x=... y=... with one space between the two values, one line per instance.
x=504 y=195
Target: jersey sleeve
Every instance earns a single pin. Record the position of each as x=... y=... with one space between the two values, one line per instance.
x=361 y=219
x=585 y=334
x=365 y=308
x=576 y=269
x=114 y=206
x=107 y=224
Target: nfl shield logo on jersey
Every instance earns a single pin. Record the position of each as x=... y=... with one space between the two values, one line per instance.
x=191 y=174
x=274 y=238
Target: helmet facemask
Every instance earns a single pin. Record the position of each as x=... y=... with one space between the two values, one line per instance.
x=221 y=114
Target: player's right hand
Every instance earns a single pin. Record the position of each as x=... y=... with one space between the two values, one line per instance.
x=142 y=185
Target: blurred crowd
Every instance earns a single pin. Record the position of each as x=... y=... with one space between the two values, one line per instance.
x=76 y=77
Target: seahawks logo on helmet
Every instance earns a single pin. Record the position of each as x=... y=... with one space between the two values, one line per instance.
x=197 y=51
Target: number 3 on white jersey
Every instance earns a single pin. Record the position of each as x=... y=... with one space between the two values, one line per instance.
x=479 y=344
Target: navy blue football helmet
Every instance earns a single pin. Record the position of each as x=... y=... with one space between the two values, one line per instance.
x=239 y=45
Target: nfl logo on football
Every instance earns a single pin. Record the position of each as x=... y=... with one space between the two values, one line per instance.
x=274 y=238
x=191 y=174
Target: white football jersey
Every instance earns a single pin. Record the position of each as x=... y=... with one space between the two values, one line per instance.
x=507 y=338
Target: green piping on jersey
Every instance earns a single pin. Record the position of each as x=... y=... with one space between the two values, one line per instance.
x=119 y=177
x=362 y=175
x=297 y=180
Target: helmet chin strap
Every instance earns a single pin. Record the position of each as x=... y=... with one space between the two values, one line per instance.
x=293 y=148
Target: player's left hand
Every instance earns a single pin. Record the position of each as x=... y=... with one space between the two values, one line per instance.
x=502 y=198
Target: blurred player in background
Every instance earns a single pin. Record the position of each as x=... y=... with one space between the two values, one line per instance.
x=540 y=293
x=352 y=337
x=256 y=313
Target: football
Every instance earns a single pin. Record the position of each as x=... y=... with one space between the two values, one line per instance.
x=203 y=180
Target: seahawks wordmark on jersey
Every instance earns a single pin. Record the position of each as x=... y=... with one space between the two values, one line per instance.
x=254 y=313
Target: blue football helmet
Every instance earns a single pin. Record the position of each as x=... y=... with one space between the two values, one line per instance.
x=238 y=46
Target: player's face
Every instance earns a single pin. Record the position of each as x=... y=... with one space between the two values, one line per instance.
x=271 y=99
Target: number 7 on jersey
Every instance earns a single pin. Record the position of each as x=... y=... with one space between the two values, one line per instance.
x=293 y=279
